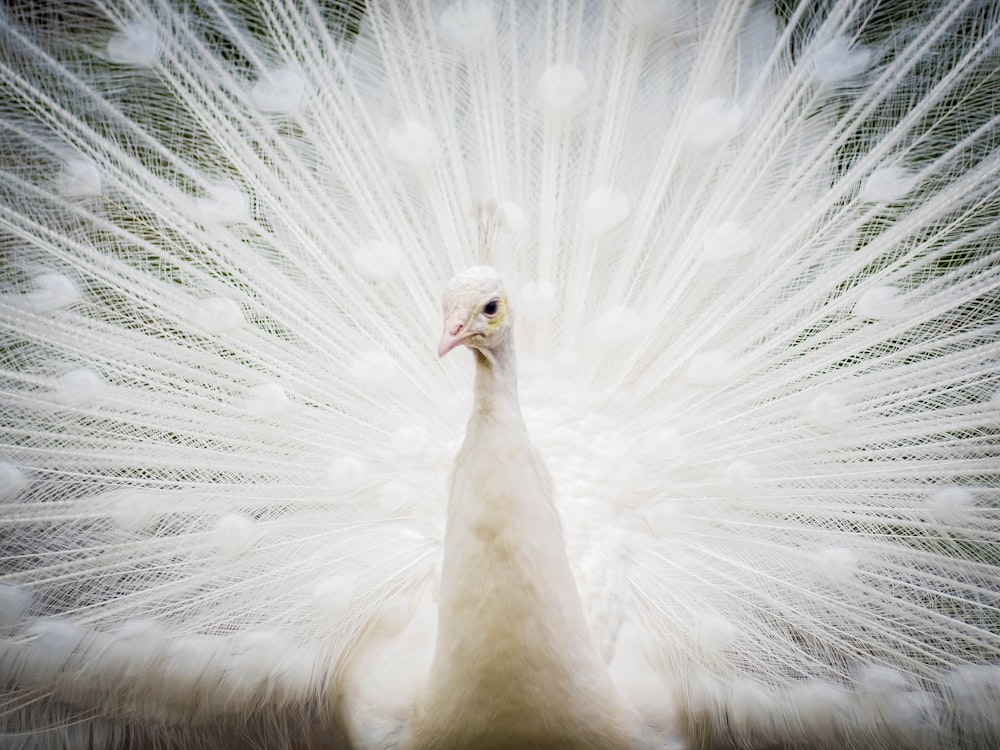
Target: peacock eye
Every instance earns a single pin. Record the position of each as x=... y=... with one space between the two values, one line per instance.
x=491 y=307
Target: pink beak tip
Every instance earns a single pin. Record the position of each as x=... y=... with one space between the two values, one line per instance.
x=450 y=338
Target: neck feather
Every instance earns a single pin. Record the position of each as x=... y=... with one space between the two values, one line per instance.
x=515 y=664
x=496 y=380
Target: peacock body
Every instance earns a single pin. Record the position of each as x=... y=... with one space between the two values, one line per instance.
x=752 y=256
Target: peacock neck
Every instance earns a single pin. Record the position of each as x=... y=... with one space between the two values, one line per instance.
x=496 y=382
x=514 y=663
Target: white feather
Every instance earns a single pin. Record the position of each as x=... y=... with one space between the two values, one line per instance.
x=752 y=255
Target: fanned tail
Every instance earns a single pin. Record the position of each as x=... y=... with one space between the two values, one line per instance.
x=754 y=258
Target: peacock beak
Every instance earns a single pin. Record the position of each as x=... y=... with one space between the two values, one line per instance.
x=454 y=334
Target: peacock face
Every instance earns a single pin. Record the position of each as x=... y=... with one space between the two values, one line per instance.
x=475 y=310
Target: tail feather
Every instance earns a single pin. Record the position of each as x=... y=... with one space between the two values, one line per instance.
x=754 y=259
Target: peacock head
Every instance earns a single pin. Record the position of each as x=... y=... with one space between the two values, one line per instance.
x=475 y=311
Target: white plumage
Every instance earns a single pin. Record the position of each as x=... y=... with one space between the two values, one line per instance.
x=751 y=255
